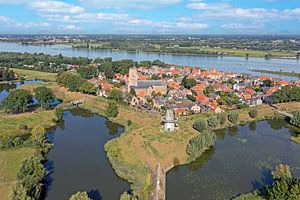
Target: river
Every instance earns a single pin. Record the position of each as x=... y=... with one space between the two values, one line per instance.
x=240 y=161
x=222 y=63
x=78 y=160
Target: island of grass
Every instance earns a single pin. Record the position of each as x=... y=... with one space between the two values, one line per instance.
x=292 y=74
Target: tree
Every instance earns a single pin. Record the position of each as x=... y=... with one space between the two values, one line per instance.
x=87 y=72
x=191 y=97
x=59 y=113
x=296 y=119
x=197 y=145
x=209 y=89
x=18 y=192
x=87 y=88
x=188 y=83
x=80 y=196
x=282 y=172
x=17 y=101
x=44 y=95
x=233 y=117
x=200 y=125
x=112 y=109
x=38 y=135
x=222 y=118
x=213 y=122
x=30 y=176
x=115 y=94
x=253 y=113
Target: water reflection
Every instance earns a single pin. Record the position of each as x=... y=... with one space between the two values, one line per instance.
x=240 y=161
x=78 y=161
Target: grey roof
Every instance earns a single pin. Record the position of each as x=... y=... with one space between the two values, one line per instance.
x=149 y=83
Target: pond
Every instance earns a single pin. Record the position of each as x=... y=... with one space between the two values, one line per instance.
x=6 y=87
x=222 y=63
x=239 y=162
x=78 y=160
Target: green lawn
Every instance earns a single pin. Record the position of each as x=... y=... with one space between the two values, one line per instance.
x=10 y=162
x=31 y=75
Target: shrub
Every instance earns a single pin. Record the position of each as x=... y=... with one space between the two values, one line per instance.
x=200 y=125
x=112 y=110
x=213 y=122
x=233 y=117
x=296 y=119
x=38 y=135
x=80 y=196
x=129 y=123
x=199 y=144
x=222 y=118
x=253 y=113
x=30 y=178
x=59 y=113
x=282 y=172
x=23 y=127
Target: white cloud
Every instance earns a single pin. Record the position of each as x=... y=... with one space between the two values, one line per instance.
x=5 y=20
x=140 y=4
x=200 y=5
x=86 y=17
x=55 y=7
x=237 y=26
x=32 y=25
x=224 y=11
x=69 y=28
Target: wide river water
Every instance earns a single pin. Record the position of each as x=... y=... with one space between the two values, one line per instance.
x=239 y=162
x=222 y=63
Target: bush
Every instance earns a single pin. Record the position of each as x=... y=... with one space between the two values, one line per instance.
x=129 y=123
x=59 y=113
x=213 y=122
x=200 y=125
x=296 y=119
x=222 y=118
x=38 y=135
x=199 y=144
x=233 y=117
x=29 y=184
x=253 y=113
x=44 y=96
x=112 y=110
x=80 y=196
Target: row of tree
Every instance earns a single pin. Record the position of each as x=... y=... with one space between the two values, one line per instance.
x=56 y=63
x=287 y=94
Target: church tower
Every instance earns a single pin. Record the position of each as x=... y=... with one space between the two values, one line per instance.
x=133 y=78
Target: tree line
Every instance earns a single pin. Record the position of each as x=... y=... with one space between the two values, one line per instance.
x=287 y=94
x=6 y=74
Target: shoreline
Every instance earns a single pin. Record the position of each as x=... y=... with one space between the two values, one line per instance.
x=283 y=73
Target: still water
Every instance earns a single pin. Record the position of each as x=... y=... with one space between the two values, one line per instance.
x=6 y=87
x=223 y=63
x=239 y=162
x=78 y=161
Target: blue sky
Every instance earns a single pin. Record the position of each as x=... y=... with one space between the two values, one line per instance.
x=150 y=16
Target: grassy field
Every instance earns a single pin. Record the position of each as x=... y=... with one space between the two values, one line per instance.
x=32 y=75
x=10 y=124
x=196 y=50
x=242 y=52
x=10 y=161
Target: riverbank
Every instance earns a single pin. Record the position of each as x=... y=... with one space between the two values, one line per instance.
x=292 y=74
x=196 y=51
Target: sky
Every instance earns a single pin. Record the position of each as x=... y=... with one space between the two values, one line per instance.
x=150 y=17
